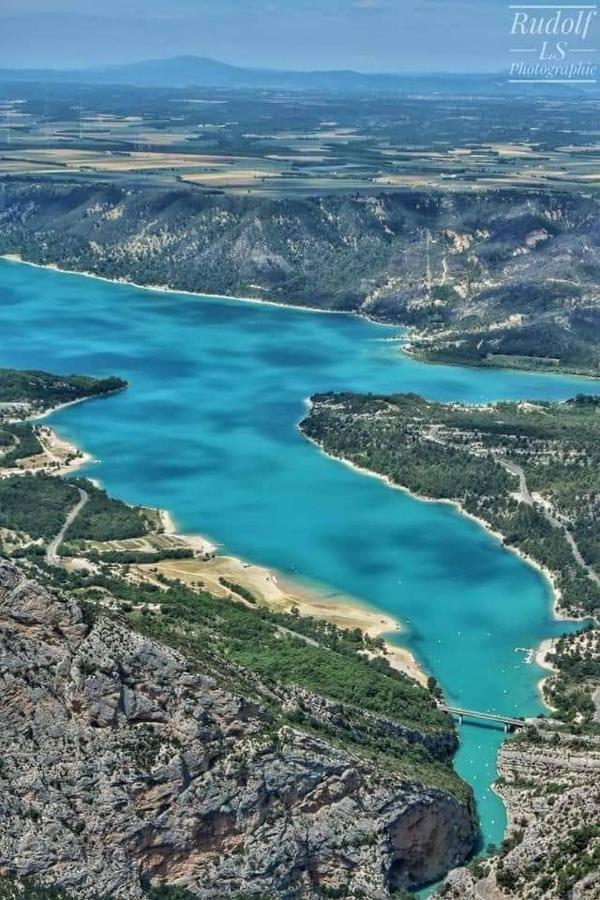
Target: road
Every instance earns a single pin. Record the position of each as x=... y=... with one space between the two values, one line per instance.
x=52 y=557
x=526 y=497
x=515 y=469
x=16 y=440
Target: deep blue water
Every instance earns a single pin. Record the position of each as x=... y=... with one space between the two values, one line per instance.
x=208 y=430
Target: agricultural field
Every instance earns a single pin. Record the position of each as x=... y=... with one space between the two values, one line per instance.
x=279 y=143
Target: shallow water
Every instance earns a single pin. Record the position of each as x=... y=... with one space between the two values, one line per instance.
x=208 y=430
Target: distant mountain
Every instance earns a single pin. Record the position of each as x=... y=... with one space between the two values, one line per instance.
x=202 y=71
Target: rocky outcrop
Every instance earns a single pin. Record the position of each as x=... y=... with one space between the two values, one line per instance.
x=123 y=765
x=363 y=726
x=550 y=783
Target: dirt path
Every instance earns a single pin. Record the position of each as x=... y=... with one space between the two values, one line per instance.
x=52 y=557
x=6 y=450
x=526 y=497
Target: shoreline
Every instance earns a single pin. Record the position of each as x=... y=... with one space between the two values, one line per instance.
x=58 y=456
x=196 y=542
x=164 y=289
x=57 y=448
x=546 y=646
x=277 y=591
x=54 y=409
x=409 y=332
x=280 y=592
x=409 y=351
x=405 y=341
x=346 y=612
x=547 y=643
x=35 y=417
x=56 y=442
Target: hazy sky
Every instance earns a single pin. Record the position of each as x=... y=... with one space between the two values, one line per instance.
x=369 y=35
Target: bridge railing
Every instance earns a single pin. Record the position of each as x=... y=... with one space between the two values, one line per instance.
x=510 y=723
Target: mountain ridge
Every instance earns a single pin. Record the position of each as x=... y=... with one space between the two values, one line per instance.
x=204 y=71
x=495 y=278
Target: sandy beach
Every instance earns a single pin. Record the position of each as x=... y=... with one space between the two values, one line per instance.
x=540 y=657
x=69 y=457
x=196 y=542
x=547 y=646
x=282 y=594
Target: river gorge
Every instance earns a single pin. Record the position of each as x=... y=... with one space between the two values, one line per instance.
x=208 y=430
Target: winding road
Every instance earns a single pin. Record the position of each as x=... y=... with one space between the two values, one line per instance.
x=52 y=557
x=526 y=497
x=6 y=450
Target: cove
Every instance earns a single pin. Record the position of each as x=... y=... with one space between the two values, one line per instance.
x=208 y=431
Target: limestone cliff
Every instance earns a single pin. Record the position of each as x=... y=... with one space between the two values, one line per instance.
x=123 y=765
x=550 y=784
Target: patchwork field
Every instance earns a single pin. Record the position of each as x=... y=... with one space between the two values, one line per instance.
x=285 y=143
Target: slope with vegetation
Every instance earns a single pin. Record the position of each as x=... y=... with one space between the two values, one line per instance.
x=38 y=506
x=28 y=393
x=530 y=471
x=505 y=277
x=18 y=441
x=170 y=744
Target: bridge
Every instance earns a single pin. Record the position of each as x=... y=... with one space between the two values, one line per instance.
x=510 y=723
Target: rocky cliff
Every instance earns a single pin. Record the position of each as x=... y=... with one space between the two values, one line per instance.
x=550 y=783
x=490 y=275
x=123 y=765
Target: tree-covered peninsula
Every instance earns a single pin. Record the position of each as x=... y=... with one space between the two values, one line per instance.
x=530 y=471
x=27 y=393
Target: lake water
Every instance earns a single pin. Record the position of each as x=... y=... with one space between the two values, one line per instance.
x=208 y=431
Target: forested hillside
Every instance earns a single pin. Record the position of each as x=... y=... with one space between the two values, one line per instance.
x=530 y=471
x=503 y=277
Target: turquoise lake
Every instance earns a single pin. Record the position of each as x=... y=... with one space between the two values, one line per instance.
x=208 y=431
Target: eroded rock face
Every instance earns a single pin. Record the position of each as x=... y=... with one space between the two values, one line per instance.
x=122 y=765
x=551 y=787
